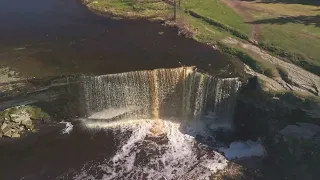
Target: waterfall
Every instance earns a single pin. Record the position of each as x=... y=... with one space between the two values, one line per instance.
x=182 y=92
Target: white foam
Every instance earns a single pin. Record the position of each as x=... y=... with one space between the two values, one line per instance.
x=123 y=124
x=112 y=112
x=83 y=176
x=68 y=127
x=178 y=158
x=243 y=149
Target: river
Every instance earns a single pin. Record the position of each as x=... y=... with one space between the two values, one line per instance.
x=40 y=38
x=54 y=37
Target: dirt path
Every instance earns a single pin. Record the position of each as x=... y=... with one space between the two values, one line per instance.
x=242 y=8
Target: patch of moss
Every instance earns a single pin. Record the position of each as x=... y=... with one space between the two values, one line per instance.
x=35 y=113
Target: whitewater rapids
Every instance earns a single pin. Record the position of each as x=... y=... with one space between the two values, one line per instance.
x=172 y=155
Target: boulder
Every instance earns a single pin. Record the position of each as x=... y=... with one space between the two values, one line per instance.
x=27 y=123
x=3 y=126
x=296 y=131
x=300 y=130
x=310 y=126
x=7 y=132
x=18 y=118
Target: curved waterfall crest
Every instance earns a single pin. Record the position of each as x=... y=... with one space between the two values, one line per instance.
x=182 y=93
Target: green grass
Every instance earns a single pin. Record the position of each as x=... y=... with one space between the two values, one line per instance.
x=132 y=8
x=290 y=31
x=291 y=39
x=217 y=11
x=283 y=41
x=217 y=24
x=204 y=32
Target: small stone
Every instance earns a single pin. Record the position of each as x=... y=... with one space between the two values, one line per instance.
x=21 y=128
x=13 y=130
x=15 y=135
x=276 y=98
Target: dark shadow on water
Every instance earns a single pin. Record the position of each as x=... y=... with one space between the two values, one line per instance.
x=53 y=37
x=306 y=20
x=49 y=154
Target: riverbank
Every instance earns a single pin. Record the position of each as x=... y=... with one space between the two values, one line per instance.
x=243 y=20
x=228 y=33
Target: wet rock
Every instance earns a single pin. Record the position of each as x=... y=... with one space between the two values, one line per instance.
x=18 y=118
x=199 y=138
x=300 y=130
x=15 y=135
x=297 y=132
x=310 y=126
x=27 y=123
x=7 y=132
x=15 y=120
x=300 y=139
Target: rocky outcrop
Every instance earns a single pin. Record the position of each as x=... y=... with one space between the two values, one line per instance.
x=301 y=139
x=8 y=75
x=298 y=79
x=16 y=120
x=302 y=130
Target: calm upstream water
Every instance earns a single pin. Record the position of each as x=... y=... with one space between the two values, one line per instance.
x=53 y=37
x=41 y=38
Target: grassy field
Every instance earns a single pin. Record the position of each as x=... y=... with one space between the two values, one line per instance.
x=217 y=11
x=289 y=30
x=132 y=8
x=292 y=30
